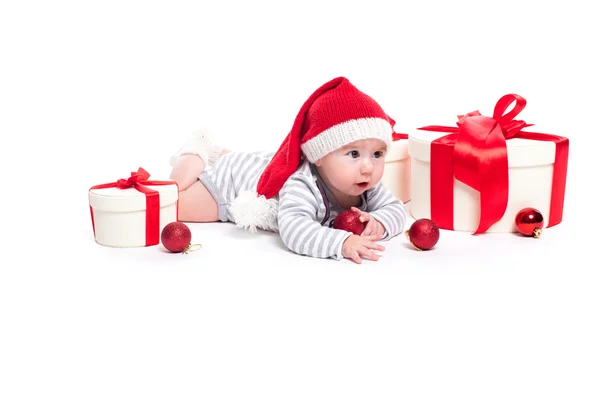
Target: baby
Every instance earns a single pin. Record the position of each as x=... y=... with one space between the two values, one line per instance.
x=331 y=160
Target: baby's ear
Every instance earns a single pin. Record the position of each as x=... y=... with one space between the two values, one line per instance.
x=302 y=160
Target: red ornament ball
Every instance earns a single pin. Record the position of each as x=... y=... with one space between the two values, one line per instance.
x=423 y=234
x=530 y=222
x=176 y=237
x=349 y=220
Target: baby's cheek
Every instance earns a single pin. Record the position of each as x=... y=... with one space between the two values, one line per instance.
x=378 y=170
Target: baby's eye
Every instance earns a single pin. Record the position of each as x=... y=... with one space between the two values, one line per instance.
x=353 y=153
x=378 y=154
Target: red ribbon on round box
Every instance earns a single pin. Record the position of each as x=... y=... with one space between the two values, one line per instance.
x=152 y=210
x=475 y=153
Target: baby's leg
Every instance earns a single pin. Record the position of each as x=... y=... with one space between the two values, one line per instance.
x=196 y=204
x=186 y=170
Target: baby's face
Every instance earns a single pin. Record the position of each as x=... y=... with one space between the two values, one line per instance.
x=354 y=168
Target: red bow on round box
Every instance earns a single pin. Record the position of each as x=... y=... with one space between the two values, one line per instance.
x=475 y=153
x=127 y=219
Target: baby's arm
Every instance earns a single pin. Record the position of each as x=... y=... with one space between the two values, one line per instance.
x=298 y=226
x=386 y=209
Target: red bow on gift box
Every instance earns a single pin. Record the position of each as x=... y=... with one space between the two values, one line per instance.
x=475 y=154
x=137 y=180
x=396 y=136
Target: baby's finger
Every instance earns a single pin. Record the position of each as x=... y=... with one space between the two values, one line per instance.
x=372 y=239
x=364 y=216
x=368 y=254
x=356 y=257
x=375 y=246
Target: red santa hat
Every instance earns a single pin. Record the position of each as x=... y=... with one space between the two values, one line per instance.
x=336 y=114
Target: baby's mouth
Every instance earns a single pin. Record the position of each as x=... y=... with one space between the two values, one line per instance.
x=362 y=185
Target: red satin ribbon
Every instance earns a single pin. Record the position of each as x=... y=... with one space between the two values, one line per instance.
x=475 y=153
x=398 y=136
x=395 y=135
x=137 y=180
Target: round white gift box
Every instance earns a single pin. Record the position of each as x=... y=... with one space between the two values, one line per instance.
x=530 y=172
x=119 y=215
x=396 y=173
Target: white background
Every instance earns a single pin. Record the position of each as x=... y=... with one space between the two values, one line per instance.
x=90 y=91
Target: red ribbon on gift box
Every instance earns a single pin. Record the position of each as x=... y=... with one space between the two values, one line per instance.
x=475 y=153
x=396 y=135
x=137 y=180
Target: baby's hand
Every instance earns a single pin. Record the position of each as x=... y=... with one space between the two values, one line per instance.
x=358 y=247
x=373 y=228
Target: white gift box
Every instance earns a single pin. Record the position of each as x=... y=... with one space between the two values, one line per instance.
x=121 y=218
x=396 y=173
x=530 y=179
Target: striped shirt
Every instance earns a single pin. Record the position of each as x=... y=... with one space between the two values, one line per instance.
x=306 y=208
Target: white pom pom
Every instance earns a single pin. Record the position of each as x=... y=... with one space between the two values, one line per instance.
x=251 y=211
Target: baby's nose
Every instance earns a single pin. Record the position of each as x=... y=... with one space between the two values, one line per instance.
x=367 y=166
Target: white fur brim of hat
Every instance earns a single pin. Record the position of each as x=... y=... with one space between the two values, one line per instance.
x=347 y=132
